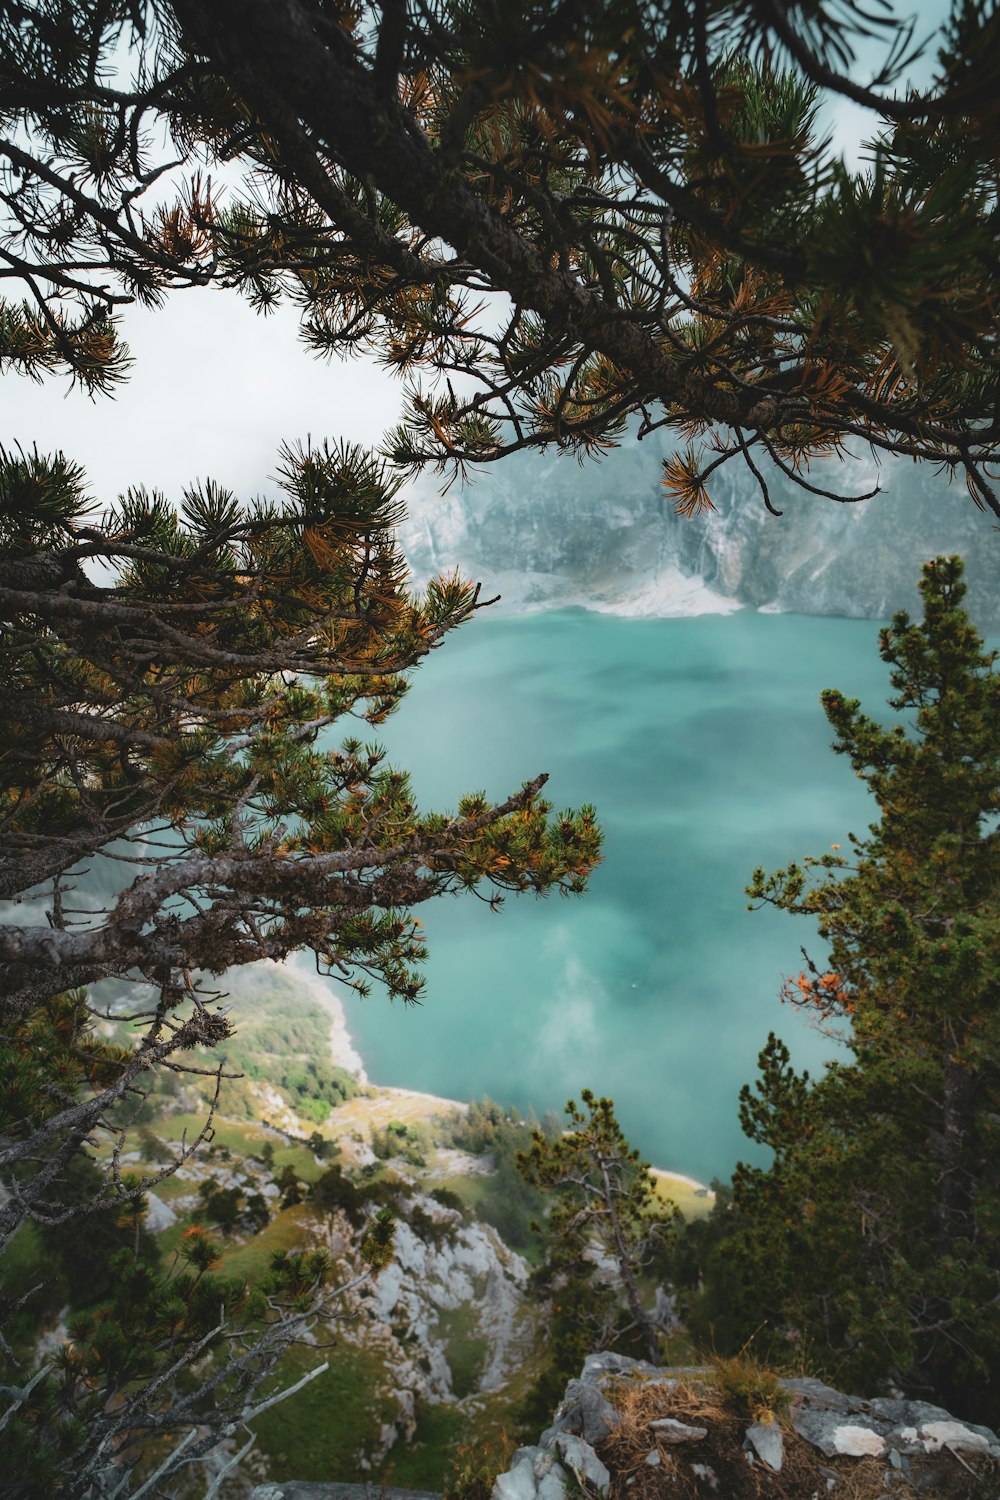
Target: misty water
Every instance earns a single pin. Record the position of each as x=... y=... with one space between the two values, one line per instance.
x=705 y=749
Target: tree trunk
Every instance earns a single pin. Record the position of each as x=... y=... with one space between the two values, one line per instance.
x=626 y=1271
x=954 y=1201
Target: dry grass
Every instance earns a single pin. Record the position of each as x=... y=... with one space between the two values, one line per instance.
x=719 y=1455
x=726 y=1412
x=865 y=1480
x=376 y=1109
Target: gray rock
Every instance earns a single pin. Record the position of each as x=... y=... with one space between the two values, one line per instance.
x=159 y=1215
x=597 y=1367
x=823 y=1397
x=765 y=1440
x=847 y=1426
x=542 y=1461
x=912 y=1438
x=817 y=1427
x=552 y=1485
x=519 y=1482
x=534 y=1474
x=586 y=1411
x=958 y=1436
x=901 y=1413
x=669 y=1430
x=581 y=1460
x=297 y=1489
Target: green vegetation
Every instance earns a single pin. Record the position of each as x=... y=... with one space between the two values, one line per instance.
x=186 y=691
x=241 y=1140
x=602 y=1211
x=283 y=1041
x=134 y=1368
x=751 y=1389
x=407 y=1142
x=601 y=1196
x=328 y=1427
x=440 y=1432
x=873 y=1239
x=33 y=1288
x=457 y=1451
x=502 y=1196
x=466 y=1351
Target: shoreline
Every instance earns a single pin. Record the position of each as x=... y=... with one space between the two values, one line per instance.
x=344 y=1054
x=662 y=1175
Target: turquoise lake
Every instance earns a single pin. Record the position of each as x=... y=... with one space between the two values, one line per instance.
x=704 y=747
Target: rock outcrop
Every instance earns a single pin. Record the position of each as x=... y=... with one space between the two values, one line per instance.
x=607 y=1440
x=546 y=532
x=467 y=1270
x=627 y=1430
x=295 y=1489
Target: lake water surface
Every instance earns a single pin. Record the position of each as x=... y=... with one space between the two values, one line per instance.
x=704 y=747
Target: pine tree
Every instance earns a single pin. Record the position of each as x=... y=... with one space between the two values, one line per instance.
x=166 y=1368
x=644 y=184
x=173 y=805
x=875 y=1232
x=164 y=722
x=604 y=1206
x=188 y=692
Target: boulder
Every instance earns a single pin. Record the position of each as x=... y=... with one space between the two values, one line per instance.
x=583 y=1463
x=849 y=1426
x=586 y=1411
x=916 y=1442
x=297 y=1489
x=534 y=1474
x=159 y=1215
x=669 y=1430
x=764 y=1439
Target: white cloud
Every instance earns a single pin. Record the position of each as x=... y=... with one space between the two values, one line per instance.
x=214 y=391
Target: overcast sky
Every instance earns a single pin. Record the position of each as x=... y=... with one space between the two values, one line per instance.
x=215 y=388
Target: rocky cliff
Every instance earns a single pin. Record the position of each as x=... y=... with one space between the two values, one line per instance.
x=546 y=532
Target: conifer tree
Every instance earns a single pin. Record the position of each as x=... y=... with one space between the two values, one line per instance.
x=163 y=722
x=173 y=804
x=164 y=1359
x=165 y=1369
x=644 y=184
x=875 y=1233
x=604 y=1203
x=187 y=689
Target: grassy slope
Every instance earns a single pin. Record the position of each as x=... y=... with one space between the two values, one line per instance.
x=320 y=1432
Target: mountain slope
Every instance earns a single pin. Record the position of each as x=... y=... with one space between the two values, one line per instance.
x=547 y=532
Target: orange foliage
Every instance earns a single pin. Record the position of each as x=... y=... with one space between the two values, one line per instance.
x=824 y=993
